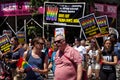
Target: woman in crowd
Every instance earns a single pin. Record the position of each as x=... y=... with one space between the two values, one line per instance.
x=93 y=65
x=37 y=60
x=16 y=52
x=108 y=60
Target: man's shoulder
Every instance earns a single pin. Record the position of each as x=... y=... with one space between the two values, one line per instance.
x=73 y=50
x=69 y=48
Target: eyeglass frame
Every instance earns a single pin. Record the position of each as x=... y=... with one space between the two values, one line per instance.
x=40 y=43
x=58 y=41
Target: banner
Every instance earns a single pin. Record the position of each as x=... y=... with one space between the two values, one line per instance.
x=63 y=13
x=4 y=44
x=102 y=22
x=17 y=9
x=89 y=26
x=105 y=9
x=59 y=31
x=21 y=37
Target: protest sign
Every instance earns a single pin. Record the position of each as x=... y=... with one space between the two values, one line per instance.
x=89 y=26
x=4 y=44
x=66 y=14
x=102 y=22
x=59 y=31
x=8 y=33
x=21 y=37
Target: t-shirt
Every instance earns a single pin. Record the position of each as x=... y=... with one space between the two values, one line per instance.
x=36 y=63
x=78 y=48
x=93 y=53
x=83 y=51
x=117 y=49
x=16 y=55
x=108 y=57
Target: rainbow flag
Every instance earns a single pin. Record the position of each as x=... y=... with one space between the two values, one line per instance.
x=23 y=64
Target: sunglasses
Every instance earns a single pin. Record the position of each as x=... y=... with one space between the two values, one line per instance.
x=11 y=41
x=58 y=41
x=40 y=43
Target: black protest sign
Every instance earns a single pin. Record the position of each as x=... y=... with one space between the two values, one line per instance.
x=4 y=44
x=66 y=14
x=102 y=22
x=89 y=26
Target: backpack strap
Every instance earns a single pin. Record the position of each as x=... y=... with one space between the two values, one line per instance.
x=28 y=55
x=71 y=61
x=43 y=59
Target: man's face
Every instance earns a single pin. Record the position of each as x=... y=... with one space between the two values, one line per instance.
x=113 y=39
x=59 y=42
x=83 y=42
x=77 y=42
x=12 y=41
x=48 y=44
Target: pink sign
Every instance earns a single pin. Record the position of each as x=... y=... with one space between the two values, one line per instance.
x=99 y=7
x=17 y=9
x=105 y=9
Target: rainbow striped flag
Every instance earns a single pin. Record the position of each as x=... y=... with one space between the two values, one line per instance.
x=23 y=64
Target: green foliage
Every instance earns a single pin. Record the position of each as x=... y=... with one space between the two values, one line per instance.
x=30 y=29
x=33 y=31
x=35 y=4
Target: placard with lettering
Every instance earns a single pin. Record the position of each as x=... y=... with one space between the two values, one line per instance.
x=8 y=33
x=63 y=13
x=4 y=44
x=102 y=22
x=89 y=26
x=21 y=37
x=59 y=31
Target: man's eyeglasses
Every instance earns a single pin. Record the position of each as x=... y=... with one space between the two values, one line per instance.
x=40 y=43
x=58 y=41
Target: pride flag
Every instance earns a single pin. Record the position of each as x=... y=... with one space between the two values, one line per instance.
x=23 y=64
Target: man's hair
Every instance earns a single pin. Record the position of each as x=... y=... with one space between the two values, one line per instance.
x=15 y=38
x=112 y=36
x=61 y=36
x=78 y=39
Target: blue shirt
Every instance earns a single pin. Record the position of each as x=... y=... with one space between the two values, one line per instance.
x=53 y=61
x=37 y=63
x=117 y=49
x=16 y=55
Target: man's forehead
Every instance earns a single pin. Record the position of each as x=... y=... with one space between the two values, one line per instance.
x=59 y=37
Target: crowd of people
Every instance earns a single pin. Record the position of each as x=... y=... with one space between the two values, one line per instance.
x=84 y=60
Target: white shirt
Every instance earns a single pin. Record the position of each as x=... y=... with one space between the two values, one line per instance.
x=82 y=50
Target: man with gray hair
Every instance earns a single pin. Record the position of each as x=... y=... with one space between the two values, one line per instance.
x=68 y=61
